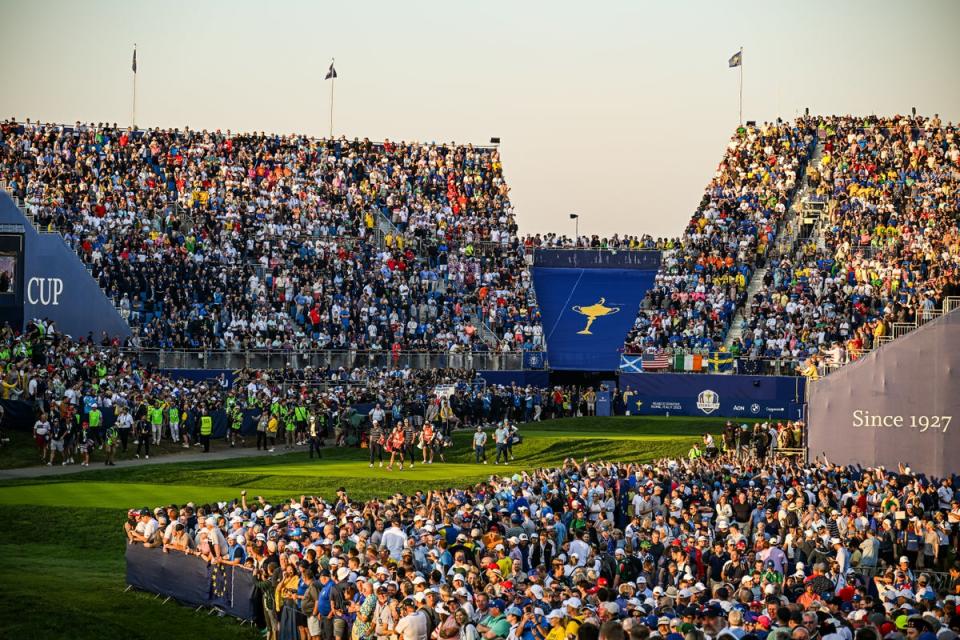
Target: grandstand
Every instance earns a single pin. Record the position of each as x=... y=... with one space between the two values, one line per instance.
x=816 y=241
x=857 y=250
x=215 y=241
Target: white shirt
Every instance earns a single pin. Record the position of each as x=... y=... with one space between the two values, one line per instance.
x=413 y=626
x=394 y=539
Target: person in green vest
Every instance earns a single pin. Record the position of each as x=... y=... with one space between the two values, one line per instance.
x=300 y=420
x=235 y=416
x=173 y=419
x=110 y=446
x=95 y=422
x=289 y=425
x=695 y=452
x=206 y=428
x=155 y=412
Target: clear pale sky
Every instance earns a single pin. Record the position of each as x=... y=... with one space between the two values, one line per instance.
x=617 y=110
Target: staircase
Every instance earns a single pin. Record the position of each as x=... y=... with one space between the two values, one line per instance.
x=802 y=211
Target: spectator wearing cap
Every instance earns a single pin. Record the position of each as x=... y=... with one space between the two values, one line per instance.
x=573 y=615
x=494 y=624
x=556 y=619
x=413 y=623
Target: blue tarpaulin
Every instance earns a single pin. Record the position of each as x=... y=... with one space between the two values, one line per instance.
x=587 y=313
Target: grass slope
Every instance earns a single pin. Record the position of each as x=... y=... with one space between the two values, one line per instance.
x=67 y=579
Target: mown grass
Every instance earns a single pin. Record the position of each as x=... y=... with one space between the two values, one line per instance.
x=65 y=574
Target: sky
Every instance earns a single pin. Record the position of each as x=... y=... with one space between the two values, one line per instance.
x=619 y=111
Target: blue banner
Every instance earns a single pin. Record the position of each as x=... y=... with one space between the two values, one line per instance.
x=58 y=286
x=587 y=313
x=727 y=396
x=190 y=580
x=537 y=379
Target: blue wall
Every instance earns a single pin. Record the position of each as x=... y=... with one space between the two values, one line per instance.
x=58 y=286
x=538 y=379
x=562 y=293
x=777 y=397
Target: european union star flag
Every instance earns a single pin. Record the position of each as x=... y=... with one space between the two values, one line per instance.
x=736 y=59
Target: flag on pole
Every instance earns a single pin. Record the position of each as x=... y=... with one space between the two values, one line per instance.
x=134 y=60
x=331 y=73
x=736 y=59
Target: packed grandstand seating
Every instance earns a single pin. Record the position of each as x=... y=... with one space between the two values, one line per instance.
x=215 y=240
x=233 y=241
x=887 y=251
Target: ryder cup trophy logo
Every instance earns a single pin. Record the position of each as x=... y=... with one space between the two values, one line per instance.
x=593 y=312
x=708 y=401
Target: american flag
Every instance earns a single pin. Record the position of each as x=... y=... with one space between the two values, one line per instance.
x=655 y=360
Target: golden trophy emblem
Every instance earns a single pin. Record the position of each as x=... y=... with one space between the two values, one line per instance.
x=593 y=312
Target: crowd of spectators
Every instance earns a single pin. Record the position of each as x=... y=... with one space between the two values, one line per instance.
x=888 y=249
x=724 y=548
x=96 y=399
x=703 y=279
x=256 y=241
x=210 y=239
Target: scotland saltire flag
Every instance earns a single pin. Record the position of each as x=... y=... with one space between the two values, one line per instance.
x=631 y=364
x=331 y=73
x=735 y=60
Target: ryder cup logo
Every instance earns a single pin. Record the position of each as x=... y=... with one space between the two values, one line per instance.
x=754 y=408
x=708 y=401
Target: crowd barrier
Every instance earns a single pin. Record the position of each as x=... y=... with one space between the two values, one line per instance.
x=729 y=396
x=191 y=580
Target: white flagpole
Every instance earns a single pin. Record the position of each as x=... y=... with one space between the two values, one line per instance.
x=134 y=115
x=333 y=81
x=741 y=86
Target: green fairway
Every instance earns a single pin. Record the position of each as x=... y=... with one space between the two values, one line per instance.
x=109 y=494
x=66 y=530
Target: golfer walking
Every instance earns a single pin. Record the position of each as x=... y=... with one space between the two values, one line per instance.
x=501 y=438
x=480 y=444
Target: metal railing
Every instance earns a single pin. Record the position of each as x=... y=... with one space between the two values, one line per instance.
x=333 y=359
x=740 y=365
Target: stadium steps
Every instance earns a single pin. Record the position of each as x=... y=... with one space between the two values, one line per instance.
x=785 y=244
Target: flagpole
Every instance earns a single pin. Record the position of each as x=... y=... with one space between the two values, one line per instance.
x=333 y=81
x=741 y=86
x=134 y=114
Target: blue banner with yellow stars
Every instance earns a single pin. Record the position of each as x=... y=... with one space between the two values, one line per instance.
x=587 y=313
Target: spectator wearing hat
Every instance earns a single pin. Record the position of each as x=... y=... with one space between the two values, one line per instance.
x=494 y=624
x=413 y=624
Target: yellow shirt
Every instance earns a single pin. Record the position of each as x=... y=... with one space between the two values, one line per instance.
x=556 y=633
x=573 y=626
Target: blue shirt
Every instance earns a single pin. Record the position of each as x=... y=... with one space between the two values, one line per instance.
x=323 y=599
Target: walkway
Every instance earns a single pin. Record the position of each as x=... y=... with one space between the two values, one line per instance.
x=194 y=455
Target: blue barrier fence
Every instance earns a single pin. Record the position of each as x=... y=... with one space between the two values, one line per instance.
x=776 y=397
x=191 y=580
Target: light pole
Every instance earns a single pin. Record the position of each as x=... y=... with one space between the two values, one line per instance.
x=576 y=227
